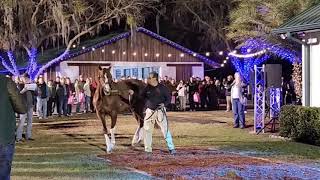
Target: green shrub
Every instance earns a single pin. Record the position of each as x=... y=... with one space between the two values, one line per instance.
x=300 y=123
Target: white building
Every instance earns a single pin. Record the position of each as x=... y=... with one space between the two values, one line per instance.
x=305 y=29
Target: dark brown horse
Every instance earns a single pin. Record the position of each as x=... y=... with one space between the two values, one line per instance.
x=112 y=98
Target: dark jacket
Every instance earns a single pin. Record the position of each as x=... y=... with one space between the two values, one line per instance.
x=60 y=90
x=156 y=95
x=41 y=91
x=52 y=92
x=28 y=97
x=228 y=87
x=192 y=87
x=11 y=101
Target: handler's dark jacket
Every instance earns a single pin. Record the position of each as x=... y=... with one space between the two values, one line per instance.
x=155 y=95
x=11 y=101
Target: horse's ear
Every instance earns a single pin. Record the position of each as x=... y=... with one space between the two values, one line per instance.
x=100 y=68
x=109 y=67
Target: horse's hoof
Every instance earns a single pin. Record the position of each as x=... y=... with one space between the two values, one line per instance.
x=109 y=150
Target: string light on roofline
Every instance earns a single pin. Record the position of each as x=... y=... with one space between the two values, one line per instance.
x=221 y=53
x=247 y=55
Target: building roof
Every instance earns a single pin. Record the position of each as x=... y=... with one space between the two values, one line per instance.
x=44 y=63
x=116 y=38
x=305 y=21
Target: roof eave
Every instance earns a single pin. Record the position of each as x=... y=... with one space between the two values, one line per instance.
x=292 y=29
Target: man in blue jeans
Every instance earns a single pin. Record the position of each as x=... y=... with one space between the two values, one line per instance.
x=11 y=101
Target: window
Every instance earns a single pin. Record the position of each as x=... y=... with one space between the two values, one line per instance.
x=118 y=73
x=145 y=73
x=155 y=69
x=135 y=72
x=127 y=72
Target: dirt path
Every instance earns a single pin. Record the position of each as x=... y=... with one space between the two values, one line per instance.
x=208 y=164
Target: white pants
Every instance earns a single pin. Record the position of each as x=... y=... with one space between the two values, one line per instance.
x=159 y=117
x=22 y=120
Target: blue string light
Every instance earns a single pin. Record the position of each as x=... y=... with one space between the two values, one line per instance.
x=4 y=63
x=276 y=49
x=13 y=63
x=245 y=65
x=32 y=63
x=12 y=68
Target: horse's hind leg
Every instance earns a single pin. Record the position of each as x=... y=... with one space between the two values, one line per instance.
x=113 y=129
x=138 y=136
x=102 y=116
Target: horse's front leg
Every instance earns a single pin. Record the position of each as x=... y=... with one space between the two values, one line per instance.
x=102 y=117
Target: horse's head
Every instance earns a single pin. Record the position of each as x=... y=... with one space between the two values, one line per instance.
x=105 y=74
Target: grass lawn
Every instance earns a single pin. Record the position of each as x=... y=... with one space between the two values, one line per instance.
x=68 y=148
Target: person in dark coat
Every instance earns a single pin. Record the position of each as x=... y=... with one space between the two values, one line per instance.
x=60 y=95
x=11 y=102
x=51 y=98
x=192 y=89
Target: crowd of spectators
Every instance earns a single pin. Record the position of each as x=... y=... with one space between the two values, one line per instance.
x=207 y=94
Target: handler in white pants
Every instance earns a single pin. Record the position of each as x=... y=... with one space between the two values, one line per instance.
x=156 y=96
x=156 y=116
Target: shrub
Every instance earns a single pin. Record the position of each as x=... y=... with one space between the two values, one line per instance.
x=300 y=123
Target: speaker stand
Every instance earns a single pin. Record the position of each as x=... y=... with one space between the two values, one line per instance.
x=273 y=121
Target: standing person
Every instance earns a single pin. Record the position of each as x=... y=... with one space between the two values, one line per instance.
x=220 y=91
x=212 y=96
x=51 y=98
x=203 y=95
x=65 y=96
x=70 y=96
x=93 y=87
x=172 y=86
x=56 y=87
x=157 y=97
x=60 y=94
x=28 y=98
x=238 y=102
x=11 y=102
x=79 y=93
x=41 y=93
x=228 y=86
x=182 y=95
x=87 y=94
x=192 y=88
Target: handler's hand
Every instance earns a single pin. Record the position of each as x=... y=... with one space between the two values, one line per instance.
x=131 y=92
x=161 y=105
